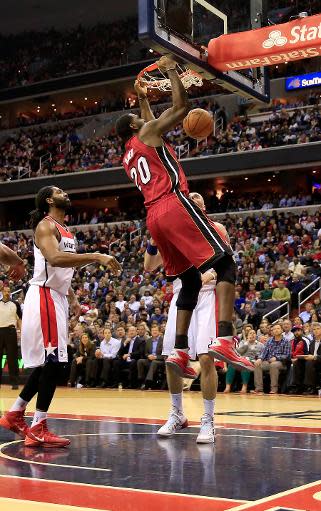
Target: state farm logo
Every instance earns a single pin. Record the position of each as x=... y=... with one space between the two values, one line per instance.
x=275 y=39
x=298 y=34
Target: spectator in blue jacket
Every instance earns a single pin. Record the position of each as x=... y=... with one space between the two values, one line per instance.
x=274 y=358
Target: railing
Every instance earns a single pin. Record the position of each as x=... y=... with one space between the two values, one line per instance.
x=218 y=124
x=65 y=147
x=22 y=172
x=43 y=159
x=134 y=234
x=113 y=243
x=312 y=292
x=273 y=311
x=182 y=151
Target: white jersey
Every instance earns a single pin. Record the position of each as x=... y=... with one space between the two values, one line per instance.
x=47 y=276
x=177 y=286
x=203 y=325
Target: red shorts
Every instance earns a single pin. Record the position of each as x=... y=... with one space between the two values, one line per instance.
x=184 y=235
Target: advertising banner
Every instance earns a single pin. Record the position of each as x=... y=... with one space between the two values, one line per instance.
x=288 y=42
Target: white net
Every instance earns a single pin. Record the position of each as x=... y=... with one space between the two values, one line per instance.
x=155 y=79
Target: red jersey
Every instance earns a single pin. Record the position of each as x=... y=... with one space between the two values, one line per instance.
x=155 y=170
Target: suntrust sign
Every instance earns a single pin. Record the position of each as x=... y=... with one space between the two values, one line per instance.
x=299 y=39
x=303 y=81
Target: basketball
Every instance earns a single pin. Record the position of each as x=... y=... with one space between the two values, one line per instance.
x=198 y=123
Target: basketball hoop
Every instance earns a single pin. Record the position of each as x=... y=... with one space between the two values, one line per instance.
x=155 y=79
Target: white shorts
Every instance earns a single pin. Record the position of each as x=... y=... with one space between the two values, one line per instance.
x=202 y=329
x=44 y=330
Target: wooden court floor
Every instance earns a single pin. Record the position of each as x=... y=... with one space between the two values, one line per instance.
x=116 y=461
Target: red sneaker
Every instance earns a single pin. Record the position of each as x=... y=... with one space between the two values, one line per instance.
x=179 y=361
x=15 y=422
x=224 y=349
x=40 y=436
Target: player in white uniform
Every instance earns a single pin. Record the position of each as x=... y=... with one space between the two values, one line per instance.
x=44 y=332
x=201 y=332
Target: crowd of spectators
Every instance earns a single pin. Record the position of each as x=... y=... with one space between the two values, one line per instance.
x=31 y=57
x=70 y=152
x=277 y=256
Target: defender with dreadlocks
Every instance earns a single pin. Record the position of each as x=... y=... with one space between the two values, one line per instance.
x=44 y=332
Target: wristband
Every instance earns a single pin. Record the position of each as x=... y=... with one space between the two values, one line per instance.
x=151 y=249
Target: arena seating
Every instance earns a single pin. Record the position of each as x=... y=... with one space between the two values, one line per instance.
x=20 y=154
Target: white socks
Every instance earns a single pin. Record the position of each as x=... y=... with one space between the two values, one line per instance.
x=19 y=405
x=209 y=407
x=38 y=417
x=177 y=401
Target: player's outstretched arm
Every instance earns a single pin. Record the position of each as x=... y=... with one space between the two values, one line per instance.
x=145 y=109
x=10 y=258
x=46 y=241
x=152 y=257
x=174 y=115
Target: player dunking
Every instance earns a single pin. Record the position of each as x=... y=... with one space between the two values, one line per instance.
x=201 y=329
x=186 y=238
x=44 y=332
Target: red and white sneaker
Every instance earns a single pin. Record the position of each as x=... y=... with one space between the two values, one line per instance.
x=176 y=421
x=179 y=361
x=224 y=349
x=15 y=422
x=40 y=436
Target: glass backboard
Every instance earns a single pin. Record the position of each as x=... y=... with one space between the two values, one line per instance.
x=184 y=27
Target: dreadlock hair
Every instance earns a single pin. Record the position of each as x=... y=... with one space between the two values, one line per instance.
x=123 y=128
x=42 y=206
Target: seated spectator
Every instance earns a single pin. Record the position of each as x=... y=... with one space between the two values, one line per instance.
x=299 y=347
x=120 y=304
x=148 y=299
x=239 y=302
x=120 y=334
x=251 y=349
x=133 y=304
x=296 y=267
x=267 y=292
x=92 y=314
x=152 y=360
x=130 y=352
x=142 y=332
x=305 y=316
x=157 y=316
x=287 y=330
x=263 y=334
x=274 y=358
x=250 y=316
x=295 y=286
x=307 y=332
x=82 y=364
x=147 y=287
x=317 y=305
x=74 y=337
x=260 y=285
x=281 y=293
x=281 y=265
x=105 y=356
x=310 y=366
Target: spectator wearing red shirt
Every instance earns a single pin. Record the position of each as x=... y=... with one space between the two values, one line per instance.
x=299 y=346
